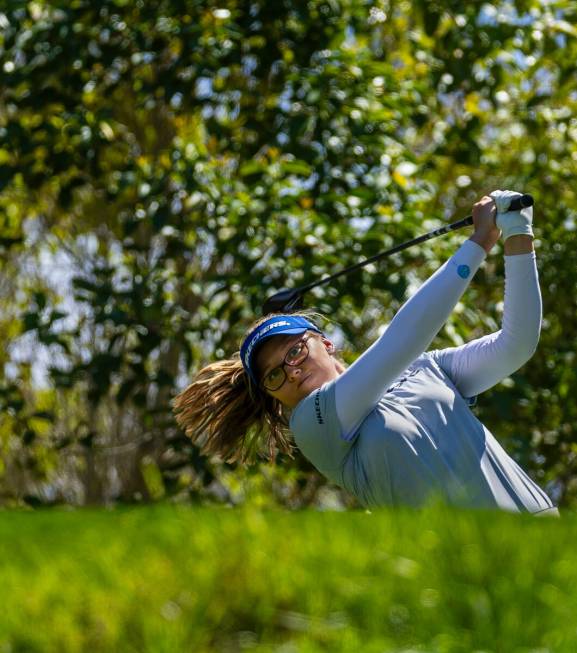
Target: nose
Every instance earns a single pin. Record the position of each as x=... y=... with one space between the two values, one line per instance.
x=293 y=373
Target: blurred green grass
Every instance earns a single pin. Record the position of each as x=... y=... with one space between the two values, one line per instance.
x=173 y=578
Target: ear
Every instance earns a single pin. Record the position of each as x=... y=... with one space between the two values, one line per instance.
x=329 y=345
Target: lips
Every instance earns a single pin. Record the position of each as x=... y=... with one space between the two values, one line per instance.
x=304 y=379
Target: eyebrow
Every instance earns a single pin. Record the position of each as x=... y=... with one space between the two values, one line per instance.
x=270 y=368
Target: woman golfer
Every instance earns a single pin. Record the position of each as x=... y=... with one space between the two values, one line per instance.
x=395 y=427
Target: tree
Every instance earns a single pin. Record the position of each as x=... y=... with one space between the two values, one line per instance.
x=189 y=158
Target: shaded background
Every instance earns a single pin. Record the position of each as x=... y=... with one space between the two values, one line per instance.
x=166 y=166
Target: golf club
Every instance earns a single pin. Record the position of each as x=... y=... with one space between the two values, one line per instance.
x=291 y=299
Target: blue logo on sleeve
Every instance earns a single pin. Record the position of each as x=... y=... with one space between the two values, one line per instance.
x=463 y=271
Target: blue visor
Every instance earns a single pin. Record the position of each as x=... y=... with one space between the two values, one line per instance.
x=279 y=325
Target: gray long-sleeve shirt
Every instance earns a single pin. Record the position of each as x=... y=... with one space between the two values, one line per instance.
x=396 y=428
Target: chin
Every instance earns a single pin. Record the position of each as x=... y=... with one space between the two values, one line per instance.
x=310 y=384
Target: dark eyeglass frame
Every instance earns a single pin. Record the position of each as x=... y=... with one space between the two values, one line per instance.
x=302 y=341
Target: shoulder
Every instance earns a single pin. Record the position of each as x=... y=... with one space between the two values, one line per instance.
x=435 y=360
x=315 y=410
x=427 y=360
x=317 y=432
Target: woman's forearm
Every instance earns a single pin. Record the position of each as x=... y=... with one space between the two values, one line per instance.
x=408 y=335
x=481 y=363
x=515 y=245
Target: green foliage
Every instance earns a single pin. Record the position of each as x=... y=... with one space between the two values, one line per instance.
x=188 y=159
x=176 y=579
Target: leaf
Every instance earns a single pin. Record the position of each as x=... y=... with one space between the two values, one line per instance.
x=252 y=168
x=30 y=321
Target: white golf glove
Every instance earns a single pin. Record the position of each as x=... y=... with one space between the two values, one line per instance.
x=512 y=223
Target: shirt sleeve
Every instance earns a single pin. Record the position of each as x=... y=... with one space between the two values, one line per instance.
x=479 y=364
x=408 y=335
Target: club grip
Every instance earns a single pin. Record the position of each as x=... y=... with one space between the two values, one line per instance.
x=521 y=202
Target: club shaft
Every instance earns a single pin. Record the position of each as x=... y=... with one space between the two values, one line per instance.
x=291 y=299
x=465 y=222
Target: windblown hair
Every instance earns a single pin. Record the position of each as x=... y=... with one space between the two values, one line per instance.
x=225 y=414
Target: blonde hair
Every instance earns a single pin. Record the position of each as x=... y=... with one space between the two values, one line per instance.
x=225 y=414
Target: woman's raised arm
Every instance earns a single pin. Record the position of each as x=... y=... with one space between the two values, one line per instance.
x=414 y=326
